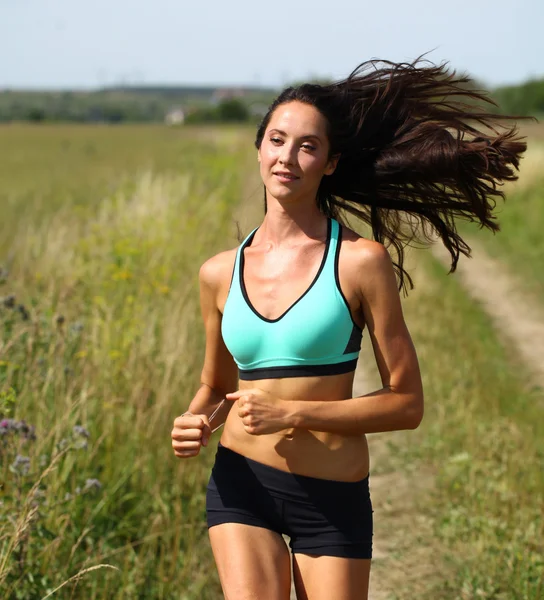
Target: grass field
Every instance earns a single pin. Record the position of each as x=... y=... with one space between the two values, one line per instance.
x=102 y=233
x=100 y=348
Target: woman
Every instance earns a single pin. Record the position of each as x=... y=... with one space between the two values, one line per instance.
x=400 y=147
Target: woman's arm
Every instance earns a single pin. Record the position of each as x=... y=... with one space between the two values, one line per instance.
x=219 y=372
x=398 y=405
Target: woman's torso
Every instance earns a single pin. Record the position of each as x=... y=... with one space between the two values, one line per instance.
x=280 y=291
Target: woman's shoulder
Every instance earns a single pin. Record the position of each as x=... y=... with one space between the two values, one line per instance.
x=218 y=269
x=367 y=265
x=360 y=251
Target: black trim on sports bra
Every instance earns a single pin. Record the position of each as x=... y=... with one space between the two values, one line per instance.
x=298 y=371
x=337 y=278
x=243 y=285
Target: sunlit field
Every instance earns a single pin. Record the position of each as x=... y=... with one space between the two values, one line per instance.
x=102 y=233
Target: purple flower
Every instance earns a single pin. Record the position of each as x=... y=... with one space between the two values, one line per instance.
x=9 y=425
x=79 y=430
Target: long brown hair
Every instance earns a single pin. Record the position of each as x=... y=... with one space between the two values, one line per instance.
x=417 y=150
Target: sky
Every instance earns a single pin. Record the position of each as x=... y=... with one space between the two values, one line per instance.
x=64 y=44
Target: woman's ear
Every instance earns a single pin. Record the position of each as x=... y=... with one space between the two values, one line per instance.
x=259 y=155
x=331 y=165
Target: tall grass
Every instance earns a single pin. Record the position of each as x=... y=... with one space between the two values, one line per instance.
x=483 y=437
x=101 y=346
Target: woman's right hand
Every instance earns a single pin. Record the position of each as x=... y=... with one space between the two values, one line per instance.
x=189 y=434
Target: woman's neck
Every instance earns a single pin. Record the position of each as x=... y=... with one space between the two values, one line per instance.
x=291 y=223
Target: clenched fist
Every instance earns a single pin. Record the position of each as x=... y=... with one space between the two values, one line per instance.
x=260 y=411
x=189 y=434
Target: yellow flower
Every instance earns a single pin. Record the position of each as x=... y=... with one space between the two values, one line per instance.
x=122 y=275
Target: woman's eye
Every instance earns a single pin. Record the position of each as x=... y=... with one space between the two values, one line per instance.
x=275 y=140
x=308 y=147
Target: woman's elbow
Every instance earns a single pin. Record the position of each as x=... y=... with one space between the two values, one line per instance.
x=414 y=412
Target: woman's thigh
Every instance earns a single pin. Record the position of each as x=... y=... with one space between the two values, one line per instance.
x=253 y=562
x=326 y=577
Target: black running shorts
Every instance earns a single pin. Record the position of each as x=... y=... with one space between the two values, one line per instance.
x=321 y=517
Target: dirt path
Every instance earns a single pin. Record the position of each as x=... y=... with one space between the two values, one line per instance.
x=518 y=318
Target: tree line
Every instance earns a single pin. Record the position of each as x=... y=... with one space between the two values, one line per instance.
x=198 y=105
x=124 y=106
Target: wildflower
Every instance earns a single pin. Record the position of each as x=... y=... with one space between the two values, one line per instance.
x=81 y=436
x=61 y=445
x=21 y=426
x=28 y=431
x=7 y=425
x=92 y=484
x=21 y=465
x=81 y=431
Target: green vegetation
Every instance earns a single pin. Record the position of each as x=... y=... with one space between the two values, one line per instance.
x=526 y=99
x=132 y=104
x=483 y=435
x=101 y=346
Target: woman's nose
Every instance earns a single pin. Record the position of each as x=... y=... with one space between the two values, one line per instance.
x=286 y=156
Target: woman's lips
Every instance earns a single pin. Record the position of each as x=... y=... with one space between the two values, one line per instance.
x=285 y=177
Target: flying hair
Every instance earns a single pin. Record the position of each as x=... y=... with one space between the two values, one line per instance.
x=418 y=150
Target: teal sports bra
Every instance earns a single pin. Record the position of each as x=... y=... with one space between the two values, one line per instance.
x=315 y=336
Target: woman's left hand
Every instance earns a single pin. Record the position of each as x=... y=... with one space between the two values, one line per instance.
x=260 y=411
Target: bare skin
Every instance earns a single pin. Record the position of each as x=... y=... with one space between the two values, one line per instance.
x=310 y=426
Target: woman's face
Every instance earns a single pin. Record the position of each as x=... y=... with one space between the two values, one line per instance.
x=294 y=152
